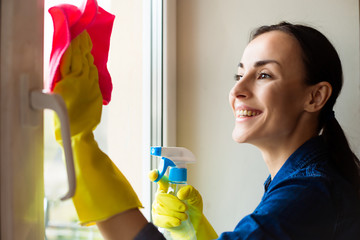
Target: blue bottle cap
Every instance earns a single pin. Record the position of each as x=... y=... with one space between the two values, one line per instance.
x=178 y=174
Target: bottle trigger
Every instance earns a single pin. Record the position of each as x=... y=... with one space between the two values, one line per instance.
x=164 y=164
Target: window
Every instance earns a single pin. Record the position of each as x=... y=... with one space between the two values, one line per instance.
x=130 y=123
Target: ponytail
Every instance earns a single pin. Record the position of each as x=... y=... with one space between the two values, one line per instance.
x=341 y=155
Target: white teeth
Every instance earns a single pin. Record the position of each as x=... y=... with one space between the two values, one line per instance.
x=246 y=113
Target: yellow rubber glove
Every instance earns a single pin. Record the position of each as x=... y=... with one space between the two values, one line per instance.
x=168 y=211
x=101 y=191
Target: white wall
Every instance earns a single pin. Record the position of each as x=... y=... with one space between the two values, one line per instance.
x=211 y=35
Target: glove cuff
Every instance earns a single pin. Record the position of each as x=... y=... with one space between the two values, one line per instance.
x=205 y=231
x=102 y=190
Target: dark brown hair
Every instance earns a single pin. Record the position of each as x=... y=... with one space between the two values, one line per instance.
x=322 y=63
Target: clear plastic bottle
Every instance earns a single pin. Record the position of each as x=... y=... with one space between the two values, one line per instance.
x=176 y=159
x=186 y=230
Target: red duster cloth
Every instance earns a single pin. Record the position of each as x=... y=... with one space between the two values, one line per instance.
x=69 y=21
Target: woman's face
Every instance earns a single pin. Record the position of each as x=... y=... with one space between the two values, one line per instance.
x=268 y=97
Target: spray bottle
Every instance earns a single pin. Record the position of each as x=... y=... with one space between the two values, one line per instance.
x=176 y=159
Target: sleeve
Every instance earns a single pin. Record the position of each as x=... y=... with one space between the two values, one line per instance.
x=149 y=232
x=298 y=208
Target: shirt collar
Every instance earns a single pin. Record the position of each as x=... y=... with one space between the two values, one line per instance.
x=305 y=154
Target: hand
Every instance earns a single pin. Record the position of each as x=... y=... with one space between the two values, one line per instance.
x=79 y=87
x=169 y=211
x=101 y=191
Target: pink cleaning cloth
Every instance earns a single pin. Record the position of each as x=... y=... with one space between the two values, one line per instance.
x=69 y=21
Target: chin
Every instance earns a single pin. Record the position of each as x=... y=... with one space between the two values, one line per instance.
x=238 y=137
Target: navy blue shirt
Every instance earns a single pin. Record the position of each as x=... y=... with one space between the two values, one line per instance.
x=307 y=199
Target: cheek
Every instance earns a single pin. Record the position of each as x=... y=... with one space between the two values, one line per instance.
x=270 y=97
x=283 y=105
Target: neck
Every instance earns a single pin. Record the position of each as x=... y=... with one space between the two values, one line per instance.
x=276 y=157
x=276 y=151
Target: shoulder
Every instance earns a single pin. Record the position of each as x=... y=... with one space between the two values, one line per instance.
x=300 y=194
x=296 y=208
x=315 y=180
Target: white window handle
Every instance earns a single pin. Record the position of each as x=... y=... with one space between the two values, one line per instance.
x=38 y=100
x=55 y=102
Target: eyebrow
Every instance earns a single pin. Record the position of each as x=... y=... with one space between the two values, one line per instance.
x=261 y=63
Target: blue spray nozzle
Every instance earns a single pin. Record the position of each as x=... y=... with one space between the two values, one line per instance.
x=164 y=164
x=156 y=151
x=176 y=158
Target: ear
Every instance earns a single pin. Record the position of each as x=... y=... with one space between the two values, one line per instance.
x=318 y=95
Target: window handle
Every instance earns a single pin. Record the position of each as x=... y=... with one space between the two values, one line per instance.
x=40 y=100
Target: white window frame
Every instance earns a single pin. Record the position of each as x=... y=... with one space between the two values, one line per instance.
x=159 y=84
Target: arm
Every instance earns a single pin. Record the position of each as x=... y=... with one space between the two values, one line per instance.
x=124 y=225
x=103 y=195
x=127 y=225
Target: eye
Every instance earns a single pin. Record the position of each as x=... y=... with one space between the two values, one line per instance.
x=237 y=77
x=263 y=76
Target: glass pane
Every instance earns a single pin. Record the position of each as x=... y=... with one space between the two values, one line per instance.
x=120 y=133
x=61 y=221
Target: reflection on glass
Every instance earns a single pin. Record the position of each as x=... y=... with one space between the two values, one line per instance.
x=120 y=133
x=61 y=222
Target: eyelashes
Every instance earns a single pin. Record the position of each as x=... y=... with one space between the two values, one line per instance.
x=261 y=75
x=237 y=77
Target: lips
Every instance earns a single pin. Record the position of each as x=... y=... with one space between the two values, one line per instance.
x=242 y=111
x=246 y=113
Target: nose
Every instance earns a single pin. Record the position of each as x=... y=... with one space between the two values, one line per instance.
x=240 y=89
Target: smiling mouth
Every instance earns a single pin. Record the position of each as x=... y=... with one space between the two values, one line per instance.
x=246 y=113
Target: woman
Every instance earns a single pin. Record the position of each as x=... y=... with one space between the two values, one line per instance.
x=288 y=81
x=287 y=84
